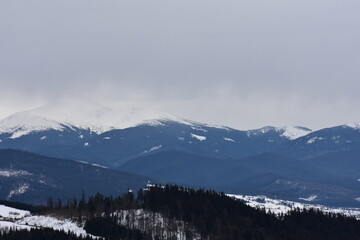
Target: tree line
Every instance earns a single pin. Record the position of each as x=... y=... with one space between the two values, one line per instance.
x=40 y=234
x=214 y=215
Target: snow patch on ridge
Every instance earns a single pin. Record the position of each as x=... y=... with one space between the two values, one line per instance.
x=310 y=198
x=98 y=165
x=312 y=140
x=294 y=132
x=289 y=132
x=153 y=149
x=199 y=129
x=260 y=131
x=198 y=137
x=13 y=173
x=353 y=125
x=19 y=190
x=229 y=139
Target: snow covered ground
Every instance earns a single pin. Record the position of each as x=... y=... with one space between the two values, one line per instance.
x=12 y=214
x=278 y=206
x=12 y=218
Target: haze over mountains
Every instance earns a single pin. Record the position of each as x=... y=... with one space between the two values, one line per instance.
x=289 y=162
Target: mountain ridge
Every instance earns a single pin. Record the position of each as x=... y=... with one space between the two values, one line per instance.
x=109 y=146
x=319 y=166
x=103 y=119
x=32 y=178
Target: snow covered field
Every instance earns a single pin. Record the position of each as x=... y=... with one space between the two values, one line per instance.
x=12 y=214
x=12 y=218
x=278 y=206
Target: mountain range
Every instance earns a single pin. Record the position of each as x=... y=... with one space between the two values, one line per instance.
x=288 y=162
x=32 y=178
x=142 y=133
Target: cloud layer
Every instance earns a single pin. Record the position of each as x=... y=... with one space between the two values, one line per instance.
x=240 y=63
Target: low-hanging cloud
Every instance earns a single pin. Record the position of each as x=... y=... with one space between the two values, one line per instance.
x=240 y=63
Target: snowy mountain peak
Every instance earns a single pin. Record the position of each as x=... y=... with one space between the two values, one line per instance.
x=99 y=119
x=23 y=123
x=293 y=132
x=95 y=118
x=353 y=125
x=289 y=132
x=260 y=131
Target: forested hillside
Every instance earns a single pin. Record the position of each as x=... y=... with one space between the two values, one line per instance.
x=173 y=212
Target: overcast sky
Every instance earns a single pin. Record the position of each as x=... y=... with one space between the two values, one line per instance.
x=241 y=63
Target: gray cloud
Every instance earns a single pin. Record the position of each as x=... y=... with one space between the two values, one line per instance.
x=241 y=63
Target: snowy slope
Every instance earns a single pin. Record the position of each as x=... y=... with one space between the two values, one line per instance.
x=293 y=132
x=99 y=119
x=288 y=132
x=24 y=123
x=353 y=125
x=9 y=213
x=12 y=218
x=279 y=206
x=96 y=118
x=341 y=138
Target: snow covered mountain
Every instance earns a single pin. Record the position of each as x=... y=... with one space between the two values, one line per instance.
x=130 y=139
x=100 y=119
x=112 y=136
x=97 y=119
x=324 y=141
x=289 y=132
